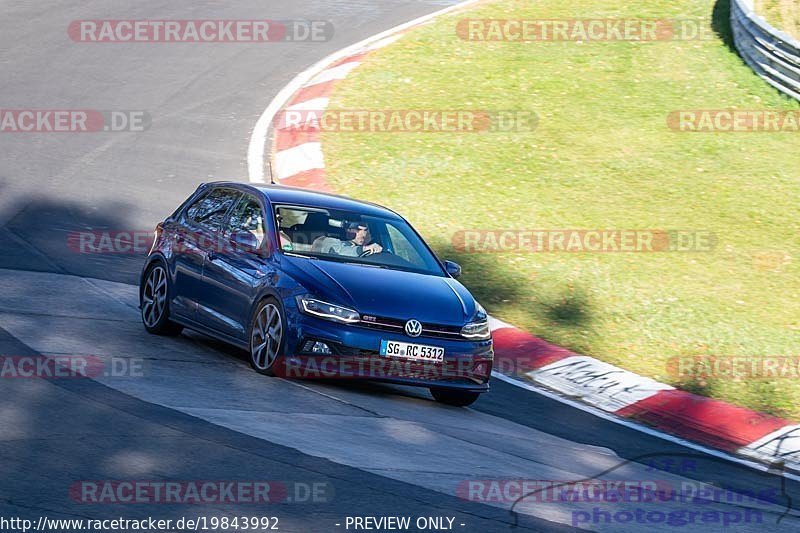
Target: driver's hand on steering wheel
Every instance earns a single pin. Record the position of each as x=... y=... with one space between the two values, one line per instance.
x=373 y=248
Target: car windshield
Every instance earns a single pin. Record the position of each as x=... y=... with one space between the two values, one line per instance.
x=353 y=237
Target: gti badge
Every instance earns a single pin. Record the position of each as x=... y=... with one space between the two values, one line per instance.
x=413 y=328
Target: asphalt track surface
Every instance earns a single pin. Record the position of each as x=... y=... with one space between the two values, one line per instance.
x=196 y=411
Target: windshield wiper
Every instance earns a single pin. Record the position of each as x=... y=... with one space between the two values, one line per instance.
x=344 y=260
x=304 y=256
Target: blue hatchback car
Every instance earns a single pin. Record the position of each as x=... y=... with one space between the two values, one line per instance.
x=314 y=285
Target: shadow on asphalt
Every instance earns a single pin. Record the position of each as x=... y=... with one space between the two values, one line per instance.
x=45 y=236
x=558 y=419
x=37 y=238
x=61 y=436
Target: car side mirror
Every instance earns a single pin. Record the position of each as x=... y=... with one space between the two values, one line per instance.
x=245 y=241
x=454 y=269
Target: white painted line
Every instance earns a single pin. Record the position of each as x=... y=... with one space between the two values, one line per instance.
x=597 y=383
x=496 y=323
x=258 y=139
x=339 y=72
x=307 y=156
x=383 y=42
x=780 y=445
x=643 y=429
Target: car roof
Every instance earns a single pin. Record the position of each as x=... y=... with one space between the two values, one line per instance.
x=281 y=194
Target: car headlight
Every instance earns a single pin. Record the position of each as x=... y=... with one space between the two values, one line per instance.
x=476 y=330
x=327 y=311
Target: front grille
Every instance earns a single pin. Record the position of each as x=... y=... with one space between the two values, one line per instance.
x=349 y=351
x=440 y=331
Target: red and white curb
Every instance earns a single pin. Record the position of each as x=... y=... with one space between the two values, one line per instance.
x=303 y=164
x=712 y=423
x=708 y=425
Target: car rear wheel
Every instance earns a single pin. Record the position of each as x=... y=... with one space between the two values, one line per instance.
x=266 y=336
x=155 y=303
x=458 y=398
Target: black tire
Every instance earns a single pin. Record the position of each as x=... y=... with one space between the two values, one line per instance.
x=155 y=315
x=265 y=354
x=457 y=398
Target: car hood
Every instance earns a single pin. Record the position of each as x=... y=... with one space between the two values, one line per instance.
x=385 y=292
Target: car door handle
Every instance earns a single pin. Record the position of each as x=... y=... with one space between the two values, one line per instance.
x=211 y=256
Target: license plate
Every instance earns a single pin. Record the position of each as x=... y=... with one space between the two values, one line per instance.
x=407 y=350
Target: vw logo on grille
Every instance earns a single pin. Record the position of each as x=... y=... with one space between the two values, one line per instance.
x=413 y=328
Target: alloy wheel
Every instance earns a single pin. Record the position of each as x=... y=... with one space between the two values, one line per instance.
x=154 y=297
x=265 y=341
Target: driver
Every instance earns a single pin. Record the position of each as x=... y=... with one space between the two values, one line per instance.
x=361 y=240
x=358 y=245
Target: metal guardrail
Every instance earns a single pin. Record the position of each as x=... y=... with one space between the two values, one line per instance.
x=771 y=53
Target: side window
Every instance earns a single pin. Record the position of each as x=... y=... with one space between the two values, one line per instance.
x=248 y=216
x=288 y=217
x=298 y=228
x=402 y=247
x=210 y=210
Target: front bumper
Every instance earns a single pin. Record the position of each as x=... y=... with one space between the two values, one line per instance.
x=355 y=354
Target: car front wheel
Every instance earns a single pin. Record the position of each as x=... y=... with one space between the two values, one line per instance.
x=266 y=337
x=458 y=398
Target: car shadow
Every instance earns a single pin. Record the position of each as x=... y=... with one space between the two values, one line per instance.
x=567 y=308
x=721 y=23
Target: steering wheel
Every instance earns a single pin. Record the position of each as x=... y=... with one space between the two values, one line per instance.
x=368 y=253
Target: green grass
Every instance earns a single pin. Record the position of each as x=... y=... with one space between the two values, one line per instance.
x=781 y=14
x=601 y=157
